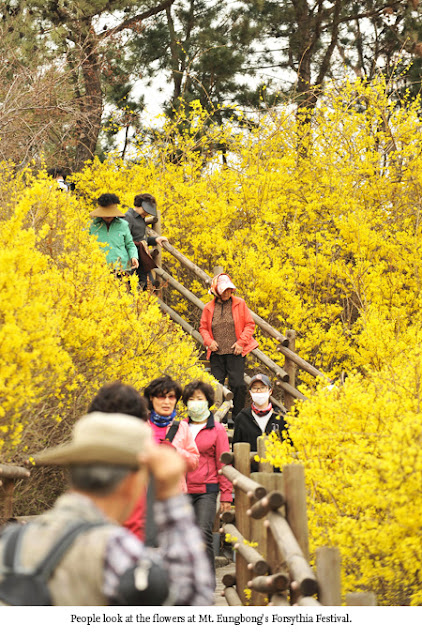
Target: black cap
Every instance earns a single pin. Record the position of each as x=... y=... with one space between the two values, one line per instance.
x=149 y=207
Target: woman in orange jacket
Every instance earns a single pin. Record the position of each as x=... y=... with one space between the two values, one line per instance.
x=227 y=329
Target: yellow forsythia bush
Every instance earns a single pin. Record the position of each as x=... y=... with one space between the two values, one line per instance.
x=361 y=447
x=319 y=226
x=67 y=325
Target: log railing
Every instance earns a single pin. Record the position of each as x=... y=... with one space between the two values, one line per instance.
x=9 y=474
x=286 y=376
x=269 y=532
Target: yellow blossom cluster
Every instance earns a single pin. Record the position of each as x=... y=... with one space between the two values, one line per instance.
x=67 y=325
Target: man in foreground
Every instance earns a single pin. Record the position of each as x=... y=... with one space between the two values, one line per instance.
x=110 y=457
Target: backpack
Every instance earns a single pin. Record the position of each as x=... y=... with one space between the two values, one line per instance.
x=25 y=587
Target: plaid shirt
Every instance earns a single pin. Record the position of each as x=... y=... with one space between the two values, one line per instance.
x=180 y=550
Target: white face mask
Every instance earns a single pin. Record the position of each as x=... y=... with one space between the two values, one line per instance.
x=198 y=410
x=259 y=398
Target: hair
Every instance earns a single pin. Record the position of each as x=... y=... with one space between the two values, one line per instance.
x=55 y=172
x=117 y=397
x=106 y=199
x=144 y=197
x=198 y=385
x=98 y=479
x=159 y=386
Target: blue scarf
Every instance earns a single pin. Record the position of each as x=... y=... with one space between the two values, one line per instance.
x=162 y=421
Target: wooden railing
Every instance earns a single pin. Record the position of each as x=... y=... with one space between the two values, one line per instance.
x=9 y=475
x=286 y=375
x=269 y=533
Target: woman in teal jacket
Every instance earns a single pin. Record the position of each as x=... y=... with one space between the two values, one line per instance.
x=109 y=227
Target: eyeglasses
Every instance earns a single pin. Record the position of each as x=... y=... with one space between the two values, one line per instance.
x=259 y=389
x=163 y=396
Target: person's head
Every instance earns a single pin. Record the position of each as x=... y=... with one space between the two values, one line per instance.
x=145 y=204
x=103 y=457
x=107 y=207
x=117 y=397
x=162 y=395
x=57 y=173
x=260 y=390
x=198 y=396
x=222 y=287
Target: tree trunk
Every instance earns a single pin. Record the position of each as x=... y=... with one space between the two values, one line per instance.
x=90 y=102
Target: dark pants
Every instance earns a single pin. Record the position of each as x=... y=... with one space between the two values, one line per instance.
x=204 y=505
x=232 y=367
x=142 y=277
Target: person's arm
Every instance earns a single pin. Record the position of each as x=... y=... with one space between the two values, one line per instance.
x=179 y=538
x=185 y=445
x=178 y=572
x=237 y=431
x=131 y=248
x=205 y=329
x=158 y=240
x=248 y=328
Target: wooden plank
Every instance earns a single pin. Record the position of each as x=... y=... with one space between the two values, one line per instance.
x=11 y=471
x=361 y=599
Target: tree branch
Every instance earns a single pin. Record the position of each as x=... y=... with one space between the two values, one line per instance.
x=135 y=20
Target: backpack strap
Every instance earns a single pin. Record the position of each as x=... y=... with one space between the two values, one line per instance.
x=172 y=431
x=52 y=559
x=12 y=535
x=47 y=565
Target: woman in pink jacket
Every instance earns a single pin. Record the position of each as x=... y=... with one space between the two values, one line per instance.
x=162 y=395
x=227 y=329
x=204 y=483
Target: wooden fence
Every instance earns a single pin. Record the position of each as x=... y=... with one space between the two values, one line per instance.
x=286 y=375
x=9 y=475
x=269 y=533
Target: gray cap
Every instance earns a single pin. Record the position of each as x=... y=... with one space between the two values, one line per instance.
x=262 y=378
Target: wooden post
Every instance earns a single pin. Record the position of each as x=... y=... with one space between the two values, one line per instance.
x=290 y=367
x=273 y=483
x=328 y=571
x=295 y=496
x=261 y=444
x=222 y=410
x=241 y=452
x=6 y=498
x=8 y=475
x=259 y=535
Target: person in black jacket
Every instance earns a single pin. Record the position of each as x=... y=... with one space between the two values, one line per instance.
x=143 y=212
x=261 y=418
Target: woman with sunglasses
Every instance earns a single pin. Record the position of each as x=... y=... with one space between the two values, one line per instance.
x=162 y=395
